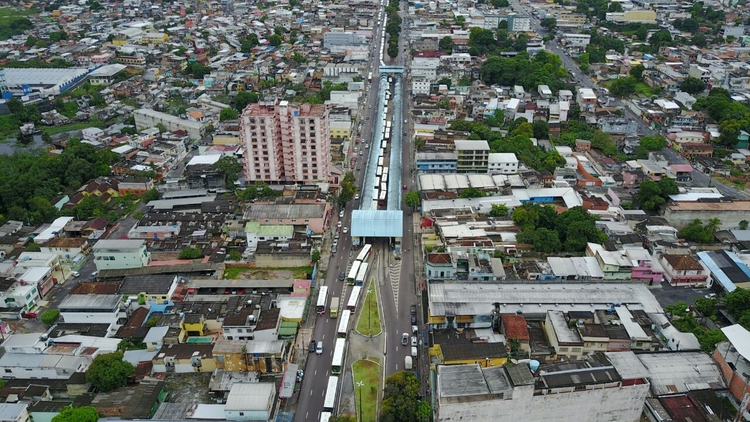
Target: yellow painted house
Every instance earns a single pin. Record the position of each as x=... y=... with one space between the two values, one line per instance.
x=192 y=325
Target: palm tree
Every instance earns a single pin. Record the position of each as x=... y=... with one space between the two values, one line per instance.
x=713 y=225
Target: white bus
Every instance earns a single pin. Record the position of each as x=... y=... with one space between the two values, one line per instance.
x=338 y=355
x=381 y=198
x=380 y=160
x=384 y=145
x=361 y=275
x=330 y=401
x=344 y=323
x=353 y=298
x=383 y=187
x=320 y=308
x=353 y=273
x=364 y=253
x=325 y=416
x=384 y=177
x=377 y=182
x=379 y=171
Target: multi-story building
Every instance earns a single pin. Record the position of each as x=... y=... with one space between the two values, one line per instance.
x=576 y=40
x=472 y=156
x=121 y=254
x=436 y=162
x=286 y=142
x=503 y=163
x=586 y=99
x=519 y=23
x=682 y=270
x=595 y=389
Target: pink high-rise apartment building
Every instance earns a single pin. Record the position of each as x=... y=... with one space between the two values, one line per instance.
x=287 y=143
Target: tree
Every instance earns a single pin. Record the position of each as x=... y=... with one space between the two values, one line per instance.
x=108 y=372
x=650 y=196
x=637 y=72
x=190 y=253
x=50 y=316
x=743 y=224
x=699 y=40
x=692 y=85
x=150 y=195
x=446 y=44
x=315 y=256
x=472 y=193
x=77 y=414
x=498 y=210
x=401 y=399
x=705 y=306
x=547 y=241
x=623 y=87
x=230 y=168
x=541 y=129
x=697 y=232
x=549 y=24
x=411 y=199
x=243 y=98
x=275 y=40
x=228 y=114
x=346 y=193
x=650 y=143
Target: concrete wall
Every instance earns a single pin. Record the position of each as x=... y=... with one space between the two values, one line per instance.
x=282 y=260
x=729 y=219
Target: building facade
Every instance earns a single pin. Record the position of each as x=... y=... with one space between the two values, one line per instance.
x=286 y=142
x=121 y=254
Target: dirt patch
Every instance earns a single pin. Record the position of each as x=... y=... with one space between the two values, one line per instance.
x=188 y=388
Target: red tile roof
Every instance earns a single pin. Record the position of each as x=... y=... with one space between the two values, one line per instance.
x=515 y=327
x=439 y=258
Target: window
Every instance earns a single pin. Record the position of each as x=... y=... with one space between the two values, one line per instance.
x=8 y=371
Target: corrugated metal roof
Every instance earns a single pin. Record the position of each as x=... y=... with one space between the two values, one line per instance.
x=374 y=223
x=680 y=372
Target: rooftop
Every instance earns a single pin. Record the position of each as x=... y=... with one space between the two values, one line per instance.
x=250 y=396
x=680 y=372
x=85 y=302
x=118 y=244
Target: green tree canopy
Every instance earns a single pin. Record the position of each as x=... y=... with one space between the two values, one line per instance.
x=692 y=85
x=228 y=114
x=243 y=98
x=50 y=316
x=108 y=372
x=230 y=168
x=411 y=199
x=77 y=414
x=446 y=44
x=190 y=253
x=401 y=399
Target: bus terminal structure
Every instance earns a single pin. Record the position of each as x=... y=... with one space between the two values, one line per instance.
x=369 y=221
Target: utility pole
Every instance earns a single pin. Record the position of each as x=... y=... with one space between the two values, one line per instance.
x=743 y=407
x=360 y=384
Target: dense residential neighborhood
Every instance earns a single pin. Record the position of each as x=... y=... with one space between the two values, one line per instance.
x=374 y=210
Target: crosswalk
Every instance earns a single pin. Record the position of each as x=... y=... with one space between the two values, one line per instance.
x=394 y=274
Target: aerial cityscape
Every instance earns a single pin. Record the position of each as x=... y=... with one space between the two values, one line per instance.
x=375 y=210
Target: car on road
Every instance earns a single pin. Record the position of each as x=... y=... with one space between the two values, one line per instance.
x=311 y=349
x=339 y=224
x=75 y=274
x=413 y=340
x=341 y=214
x=413 y=352
x=334 y=249
x=319 y=348
x=710 y=296
x=413 y=320
x=405 y=187
x=414 y=329
x=405 y=339
x=413 y=309
x=342 y=276
x=29 y=315
x=335 y=242
x=356 y=196
x=336 y=236
x=346 y=230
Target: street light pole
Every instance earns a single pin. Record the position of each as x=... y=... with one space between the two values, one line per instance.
x=360 y=384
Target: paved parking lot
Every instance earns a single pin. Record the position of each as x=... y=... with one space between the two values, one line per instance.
x=668 y=295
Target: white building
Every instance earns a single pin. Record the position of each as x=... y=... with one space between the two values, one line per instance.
x=518 y=23
x=42 y=365
x=51 y=231
x=576 y=40
x=146 y=118
x=14 y=412
x=20 y=295
x=592 y=390
x=91 y=309
x=420 y=86
x=503 y=163
x=121 y=254
x=250 y=402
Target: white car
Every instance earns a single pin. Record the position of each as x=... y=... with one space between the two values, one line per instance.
x=356 y=196
x=341 y=214
x=346 y=230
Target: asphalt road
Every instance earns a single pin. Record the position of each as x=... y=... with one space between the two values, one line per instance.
x=397 y=316
x=318 y=368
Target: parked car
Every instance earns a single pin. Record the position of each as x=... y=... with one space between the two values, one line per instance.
x=356 y=196
x=341 y=214
x=29 y=315
x=413 y=340
x=76 y=274
x=334 y=249
x=311 y=349
x=413 y=309
x=319 y=348
x=346 y=230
